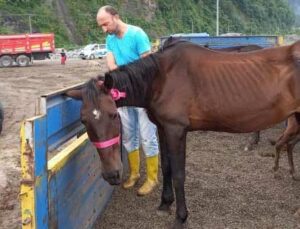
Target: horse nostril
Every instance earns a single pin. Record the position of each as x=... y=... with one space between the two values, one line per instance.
x=118 y=175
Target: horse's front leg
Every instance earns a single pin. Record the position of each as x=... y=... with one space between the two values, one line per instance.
x=252 y=140
x=167 y=197
x=176 y=144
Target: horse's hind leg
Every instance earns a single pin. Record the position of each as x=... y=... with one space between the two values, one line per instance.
x=290 y=148
x=287 y=137
x=252 y=140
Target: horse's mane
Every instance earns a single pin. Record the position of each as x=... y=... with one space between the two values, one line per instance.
x=134 y=78
x=92 y=90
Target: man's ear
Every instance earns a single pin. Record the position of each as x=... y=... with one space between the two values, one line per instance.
x=75 y=94
x=108 y=82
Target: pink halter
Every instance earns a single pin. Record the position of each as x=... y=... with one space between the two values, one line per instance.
x=108 y=143
x=115 y=93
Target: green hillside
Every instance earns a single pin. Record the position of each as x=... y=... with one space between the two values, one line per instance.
x=73 y=21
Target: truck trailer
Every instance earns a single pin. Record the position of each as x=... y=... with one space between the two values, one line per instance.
x=21 y=49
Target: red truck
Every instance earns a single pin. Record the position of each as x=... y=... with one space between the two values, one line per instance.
x=23 y=48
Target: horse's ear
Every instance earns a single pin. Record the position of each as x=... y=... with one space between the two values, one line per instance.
x=108 y=82
x=75 y=94
x=100 y=77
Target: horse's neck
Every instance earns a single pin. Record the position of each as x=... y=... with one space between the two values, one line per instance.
x=136 y=94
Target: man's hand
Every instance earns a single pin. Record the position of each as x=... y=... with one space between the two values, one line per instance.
x=111 y=63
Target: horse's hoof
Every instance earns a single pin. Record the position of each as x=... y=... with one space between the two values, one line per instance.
x=272 y=141
x=177 y=224
x=164 y=210
x=267 y=154
x=247 y=148
x=275 y=168
x=277 y=175
x=163 y=213
x=295 y=178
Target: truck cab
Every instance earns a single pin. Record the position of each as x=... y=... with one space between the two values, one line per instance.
x=93 y=51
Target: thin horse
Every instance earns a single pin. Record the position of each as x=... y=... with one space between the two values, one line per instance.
x=287 y=137
x=186 y=88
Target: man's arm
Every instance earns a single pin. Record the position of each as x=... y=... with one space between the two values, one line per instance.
x=110 y=60
x=145 y=54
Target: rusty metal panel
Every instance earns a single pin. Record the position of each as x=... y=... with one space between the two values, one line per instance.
x=34 y=183
x=77 y=192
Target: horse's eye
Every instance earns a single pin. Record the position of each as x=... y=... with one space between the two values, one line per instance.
x=83 y=121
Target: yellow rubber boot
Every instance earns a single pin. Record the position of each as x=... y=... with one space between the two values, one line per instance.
x=134 y=166
x=151 y=181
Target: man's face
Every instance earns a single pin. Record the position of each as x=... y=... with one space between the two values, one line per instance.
x=108 y=22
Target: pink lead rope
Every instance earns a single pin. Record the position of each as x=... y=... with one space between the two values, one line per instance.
x=116 y=94
x=108 y=143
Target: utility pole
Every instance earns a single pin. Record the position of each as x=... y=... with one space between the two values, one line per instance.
x=217 y=19
x=30 y=26
x=192 y=26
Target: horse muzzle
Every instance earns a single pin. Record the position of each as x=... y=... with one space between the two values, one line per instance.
x=113 y=178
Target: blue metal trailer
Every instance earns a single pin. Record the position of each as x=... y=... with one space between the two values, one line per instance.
x=61 y=184
x=216 y=42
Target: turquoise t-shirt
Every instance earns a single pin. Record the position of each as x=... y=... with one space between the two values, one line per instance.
x=128 y=48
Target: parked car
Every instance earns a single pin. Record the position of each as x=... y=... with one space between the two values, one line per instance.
x=93 y=51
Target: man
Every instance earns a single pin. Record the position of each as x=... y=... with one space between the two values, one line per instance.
x=127 y=43
x=63 y=57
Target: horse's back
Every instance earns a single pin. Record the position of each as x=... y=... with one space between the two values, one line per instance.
x=241 y=92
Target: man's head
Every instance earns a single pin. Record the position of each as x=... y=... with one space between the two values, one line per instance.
x=108 y=19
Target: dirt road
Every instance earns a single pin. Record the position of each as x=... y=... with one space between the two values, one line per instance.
x=225 y=186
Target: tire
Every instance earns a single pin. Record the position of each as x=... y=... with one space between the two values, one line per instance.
x=23 y=60
x=1 y=117
x=6 y=61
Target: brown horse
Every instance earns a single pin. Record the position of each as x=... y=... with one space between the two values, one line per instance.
x=186 y=88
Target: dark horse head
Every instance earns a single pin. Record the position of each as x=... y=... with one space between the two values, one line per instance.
x=100 y=116
x=100 y=99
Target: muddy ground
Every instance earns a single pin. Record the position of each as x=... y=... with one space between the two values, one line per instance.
x=225 y=186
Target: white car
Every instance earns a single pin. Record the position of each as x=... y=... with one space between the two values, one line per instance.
x=93 y=51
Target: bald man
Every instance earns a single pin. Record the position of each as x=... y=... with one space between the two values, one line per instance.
x=125 y=44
